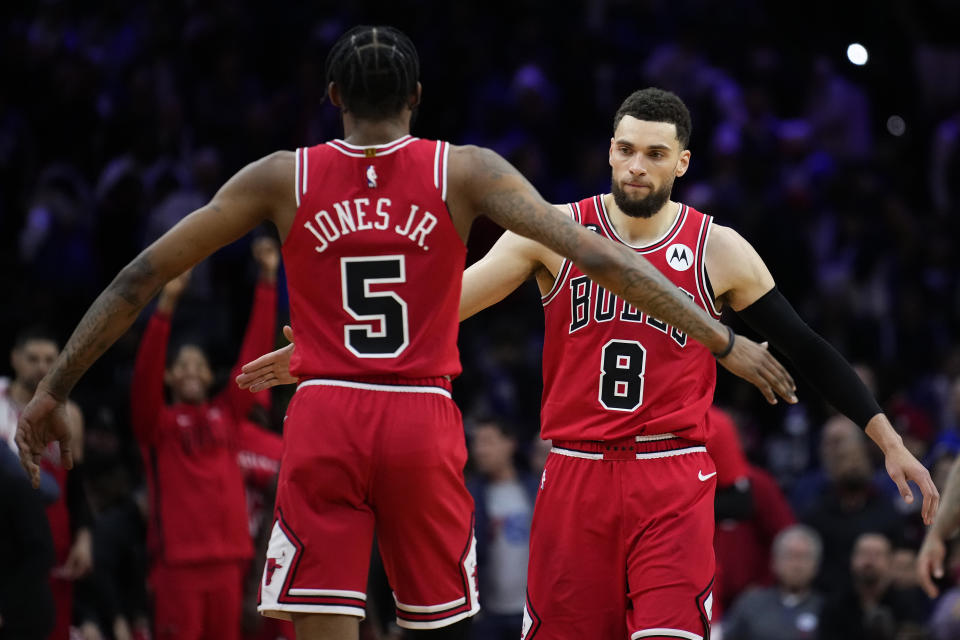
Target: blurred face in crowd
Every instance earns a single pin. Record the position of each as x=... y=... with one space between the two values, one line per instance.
x=871 y=561
x=843 y=452
x=190 y=376
x=903 y=563
x=492 y=450
x=646 y=158
x=795 y=561
x=32 y=360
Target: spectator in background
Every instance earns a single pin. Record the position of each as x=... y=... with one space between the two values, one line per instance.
x=750 y=510
x=198 y=534
x=504 y=497
x=791 y=609
x=873 y=607
x=849 y=505
x=26 y=554
x=70 y=519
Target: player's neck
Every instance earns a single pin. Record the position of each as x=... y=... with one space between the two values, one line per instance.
x=642 y=231
x=367 y=133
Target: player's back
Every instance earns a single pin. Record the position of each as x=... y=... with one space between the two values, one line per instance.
x=374 y=262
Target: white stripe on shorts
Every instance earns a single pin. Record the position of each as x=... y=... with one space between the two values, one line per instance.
x=640 y=456
x=369 y=386
x=670 y=633
x=328 y=592
x=659 y=436
x=413 y=608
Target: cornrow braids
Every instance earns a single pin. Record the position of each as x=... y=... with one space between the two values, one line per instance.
x=657 y=105
x=376 y=70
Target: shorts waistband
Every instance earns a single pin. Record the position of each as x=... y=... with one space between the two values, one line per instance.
x=664 y=445
x=392 y=384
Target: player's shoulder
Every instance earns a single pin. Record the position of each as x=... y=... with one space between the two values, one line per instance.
x=726 y=241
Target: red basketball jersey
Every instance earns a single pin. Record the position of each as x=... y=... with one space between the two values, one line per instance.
x=373 y=262
x=611 y=371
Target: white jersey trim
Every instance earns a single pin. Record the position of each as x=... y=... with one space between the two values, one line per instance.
x=564 y=266
x=670 y=633
x=672 y=231
x=296 y=177
x=354 y=151
x=443 y=169
x=436 y=166
x=414 y=608
x=369 y=386
x=701 y=275
x=305 y=172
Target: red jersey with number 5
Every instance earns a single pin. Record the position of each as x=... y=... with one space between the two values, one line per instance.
x=373 y=262
x=611 y=371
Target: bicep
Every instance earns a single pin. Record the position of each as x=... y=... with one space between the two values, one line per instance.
x=737 y=272
x=506 y=266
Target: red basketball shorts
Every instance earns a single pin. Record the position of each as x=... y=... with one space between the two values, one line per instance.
x=359 y=456
x=621 y=543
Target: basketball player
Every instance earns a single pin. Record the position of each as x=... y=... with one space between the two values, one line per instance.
x=627 y=493
x=69 y=516
x=198 y=536
x=373 y=229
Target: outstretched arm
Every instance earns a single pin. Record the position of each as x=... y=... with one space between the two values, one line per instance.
x=484 y=183
x=260 y=191
x=741 y=280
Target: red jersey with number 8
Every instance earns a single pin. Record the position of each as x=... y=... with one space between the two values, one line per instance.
x=374 y=262
x=611 y=371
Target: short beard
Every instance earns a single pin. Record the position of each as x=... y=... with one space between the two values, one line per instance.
x=644 y=207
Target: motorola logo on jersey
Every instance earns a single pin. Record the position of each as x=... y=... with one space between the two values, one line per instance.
x=371 y=176
x=680 y=257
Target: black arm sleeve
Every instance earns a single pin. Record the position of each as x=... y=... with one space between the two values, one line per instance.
x=816 y=360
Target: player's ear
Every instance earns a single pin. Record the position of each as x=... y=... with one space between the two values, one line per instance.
x=683 y=163
x=610 y=152
x=418 y=92
x=334 y=93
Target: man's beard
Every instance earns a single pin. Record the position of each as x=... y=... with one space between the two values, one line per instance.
x=643 y=207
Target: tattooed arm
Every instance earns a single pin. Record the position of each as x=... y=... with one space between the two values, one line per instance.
x=260 y=191
x=484 y=183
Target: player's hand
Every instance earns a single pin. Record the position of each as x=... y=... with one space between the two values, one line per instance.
x=902 y=468
x=930 y=562
x=753 y=363
x=79 y=561
x=42 y=421
x=270 y=369
x=266 y=252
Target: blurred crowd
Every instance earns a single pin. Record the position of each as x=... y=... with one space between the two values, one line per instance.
x=118 y=118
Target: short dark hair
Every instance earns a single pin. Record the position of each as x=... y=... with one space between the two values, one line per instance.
x=34 y=334
x=375 y=69
x=657 y=105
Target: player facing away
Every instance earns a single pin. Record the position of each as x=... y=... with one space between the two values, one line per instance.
x=622 y=535
x=373 y=229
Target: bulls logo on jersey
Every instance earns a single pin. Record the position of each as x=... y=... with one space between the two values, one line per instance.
x=680 y=257
x=371 y=176
x=272 y=565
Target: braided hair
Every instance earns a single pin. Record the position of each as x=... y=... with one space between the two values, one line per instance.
x=375 y=69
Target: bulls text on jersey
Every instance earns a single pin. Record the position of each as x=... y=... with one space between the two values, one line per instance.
x=589 y=302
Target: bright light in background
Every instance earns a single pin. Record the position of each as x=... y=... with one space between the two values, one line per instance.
x=857 y=54
x=896 y=126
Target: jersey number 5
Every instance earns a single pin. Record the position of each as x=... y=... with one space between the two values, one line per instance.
x=622 y=365
x=382 y=331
